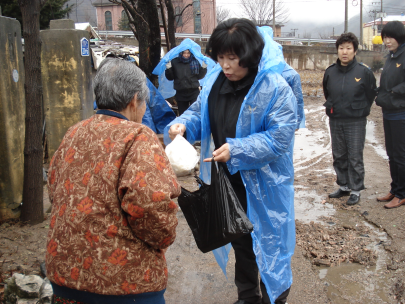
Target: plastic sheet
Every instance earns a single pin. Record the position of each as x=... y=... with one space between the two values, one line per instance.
x=214 y=212
x=294 y=81
x=166 y=86
x=158 y=114
x=262 y=152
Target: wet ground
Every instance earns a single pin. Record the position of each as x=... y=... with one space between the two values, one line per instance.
x=343 y=254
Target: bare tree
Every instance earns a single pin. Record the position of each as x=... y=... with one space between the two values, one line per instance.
x=306 y=35
x=261 y=11
x=184 y=15
x=144 y=21
x=222 y=14
x=32 y=209
x=325 y=34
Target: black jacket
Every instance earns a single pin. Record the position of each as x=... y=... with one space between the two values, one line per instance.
x=391 y=93
x=349 y=90
x=181 y=74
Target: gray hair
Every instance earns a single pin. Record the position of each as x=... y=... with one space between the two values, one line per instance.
x=116 y=83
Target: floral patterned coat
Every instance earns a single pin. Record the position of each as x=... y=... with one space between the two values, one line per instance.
x=111 y=186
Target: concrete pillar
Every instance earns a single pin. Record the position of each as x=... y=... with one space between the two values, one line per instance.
x=12 y=118
x=66 y=80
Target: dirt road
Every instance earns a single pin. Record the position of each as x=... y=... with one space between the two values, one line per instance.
x=343 y=254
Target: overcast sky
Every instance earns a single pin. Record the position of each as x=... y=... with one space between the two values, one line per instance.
x=315 y=11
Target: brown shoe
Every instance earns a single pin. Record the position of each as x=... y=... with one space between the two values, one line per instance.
x=386 y=198
x=395 y=203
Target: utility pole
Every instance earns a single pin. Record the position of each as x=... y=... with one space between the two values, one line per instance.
x=294 y=31
x=361 y=22
x=274 y=18
x=346 y=15
x=381 y=14
x=374 y=11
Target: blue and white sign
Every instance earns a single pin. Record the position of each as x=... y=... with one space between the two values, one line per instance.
x=85 y=47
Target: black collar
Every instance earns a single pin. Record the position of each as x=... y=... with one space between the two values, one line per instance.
x=399 y=51
x=111 y=113
x=348 y=67
x=234 y=86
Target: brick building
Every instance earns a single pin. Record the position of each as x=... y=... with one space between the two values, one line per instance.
x=199 y=17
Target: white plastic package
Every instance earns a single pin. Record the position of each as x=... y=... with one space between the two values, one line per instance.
x=182 y=156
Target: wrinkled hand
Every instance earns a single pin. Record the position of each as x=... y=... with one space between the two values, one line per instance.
x=168 y=65
x=204 y=65
x=221 y=155
x=176 y=129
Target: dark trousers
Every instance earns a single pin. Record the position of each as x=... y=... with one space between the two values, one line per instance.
x=183 y=106
x=348 y=138
x=394 y=131
x=247 y=277
x=185 y=98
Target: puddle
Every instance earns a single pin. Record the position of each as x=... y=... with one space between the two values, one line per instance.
x=372 y=141
x=352 y=280
x=307 y=147
x=308 y=206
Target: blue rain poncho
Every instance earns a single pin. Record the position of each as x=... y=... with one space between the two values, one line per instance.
x=166 y=86
x=158 y=114
x=262 y=151
x=294 y=81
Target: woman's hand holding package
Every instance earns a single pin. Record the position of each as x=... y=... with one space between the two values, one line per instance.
x=221 y=155
x=176 y=129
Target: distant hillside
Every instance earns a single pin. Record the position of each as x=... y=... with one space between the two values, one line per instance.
x=391 y=7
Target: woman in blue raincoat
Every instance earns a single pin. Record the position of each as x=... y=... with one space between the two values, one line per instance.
x=250 y=113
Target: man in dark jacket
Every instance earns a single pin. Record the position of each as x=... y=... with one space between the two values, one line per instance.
x=349 y=88
x=186 y=72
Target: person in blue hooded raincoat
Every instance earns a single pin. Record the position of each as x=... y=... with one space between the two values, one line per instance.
x=176 y=75
x=158 y=114
x=294 y=81
x=249 y=112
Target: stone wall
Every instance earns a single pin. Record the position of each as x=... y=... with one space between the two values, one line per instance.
x=319 y=58
x=12 y=118
x=67 y=81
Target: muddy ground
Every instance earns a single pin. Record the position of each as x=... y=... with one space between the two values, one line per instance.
x=343 y=254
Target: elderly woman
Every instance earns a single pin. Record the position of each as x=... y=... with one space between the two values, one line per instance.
x=111 y=186
x=250 y=112
x=186 y=72
x=391 y=98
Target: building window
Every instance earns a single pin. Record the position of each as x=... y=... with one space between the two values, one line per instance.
x=179 y=19
x=108 y=21
x=197 y=17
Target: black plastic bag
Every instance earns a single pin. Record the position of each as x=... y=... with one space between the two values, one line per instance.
x=214 y=212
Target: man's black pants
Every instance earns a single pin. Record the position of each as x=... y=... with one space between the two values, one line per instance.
x=247 y=277
x=348 y=139
x=394 y=131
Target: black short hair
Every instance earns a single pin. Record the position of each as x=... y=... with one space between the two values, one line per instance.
x=394 y=29
x=348 y=37
x=240 y=37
